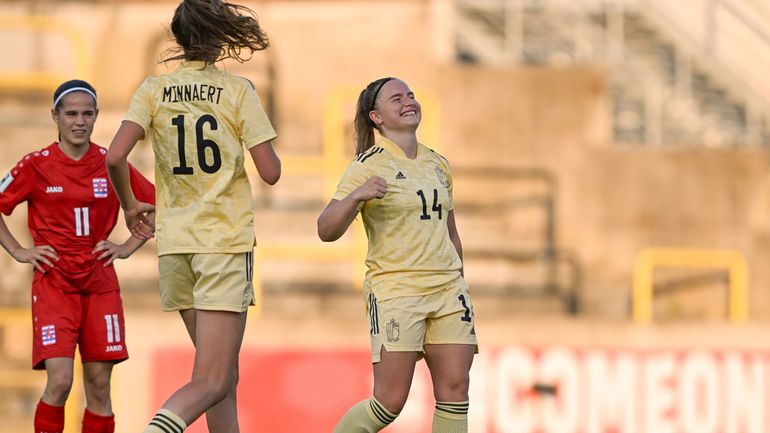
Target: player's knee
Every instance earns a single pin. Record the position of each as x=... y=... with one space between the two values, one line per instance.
x=99 y=389
x=58 y=388
x=216 y=389
x=393 y=401
x=98 y=383
x=454 y=387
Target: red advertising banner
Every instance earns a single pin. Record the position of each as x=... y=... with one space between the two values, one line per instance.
x=513 y=390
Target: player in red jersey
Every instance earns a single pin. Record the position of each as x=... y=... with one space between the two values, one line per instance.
x=72 y=209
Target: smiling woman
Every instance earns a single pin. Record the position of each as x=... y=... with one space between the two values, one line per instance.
x=74 y=113
x=75 y=292
x=418 y=303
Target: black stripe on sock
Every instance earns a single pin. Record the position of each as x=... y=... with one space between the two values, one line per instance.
x=380 y=413
x=453 y=408
x=166 y=424
x=452 y=405
x=163 y=425
x=377 y=414
x=456 y=412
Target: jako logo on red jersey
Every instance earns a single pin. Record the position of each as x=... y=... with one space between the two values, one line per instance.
x=53 y=189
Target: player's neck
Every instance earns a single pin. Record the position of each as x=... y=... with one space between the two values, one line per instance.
x=74 y=151
x=406 y=140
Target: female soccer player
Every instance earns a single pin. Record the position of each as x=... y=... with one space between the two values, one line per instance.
x=199 y=117
x=417 y=300
x=75 y=294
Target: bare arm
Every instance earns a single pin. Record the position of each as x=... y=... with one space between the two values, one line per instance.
x=267 y=162
x=112 y=252
x=339 y=214
x=455 y=237
x=135 y=211
x=36 y=256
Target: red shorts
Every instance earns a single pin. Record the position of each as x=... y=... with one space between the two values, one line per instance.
x=60 y=321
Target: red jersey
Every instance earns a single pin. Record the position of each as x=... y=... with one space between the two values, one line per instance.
x=71 y=207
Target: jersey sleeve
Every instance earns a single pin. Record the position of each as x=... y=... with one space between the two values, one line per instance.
x=15 y=187
x=355 y=175
x=140 y=107
x=143 y=189
x=254 y=127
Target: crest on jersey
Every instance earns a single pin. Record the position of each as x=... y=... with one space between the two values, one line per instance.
x=100 y=187
x=5 y=182
x=442 y=177
x=48 y=333
x=393 y=330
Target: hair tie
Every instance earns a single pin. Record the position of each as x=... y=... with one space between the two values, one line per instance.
x=74 y=89
x=377 y=91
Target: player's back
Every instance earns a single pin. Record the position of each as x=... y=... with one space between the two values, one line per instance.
x=199 y=117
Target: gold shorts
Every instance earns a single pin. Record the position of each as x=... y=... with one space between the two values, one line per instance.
x=407 y=323
x=218 y=282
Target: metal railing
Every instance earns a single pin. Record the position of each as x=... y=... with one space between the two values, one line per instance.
x=563 y=272
x=501 y=32
x=651 y=258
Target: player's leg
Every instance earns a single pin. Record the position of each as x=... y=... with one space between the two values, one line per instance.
x=218 y=336
x=176 y=284
x=223 y=417
x=102 y=345
x=55 y=319
x=221 y=294
x=392 y=380
x=58 y=381
x=449 y=366
x=396 y=346
x=450 y=344
x=49 y=413
x=98 y=416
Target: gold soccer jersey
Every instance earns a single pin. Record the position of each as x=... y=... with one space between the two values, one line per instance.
x=200 y=117
x=410 y=252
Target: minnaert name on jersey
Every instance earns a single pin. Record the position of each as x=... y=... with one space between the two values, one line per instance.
x=192 y=92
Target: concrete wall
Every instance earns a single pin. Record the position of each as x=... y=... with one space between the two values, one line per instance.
x=610 y=201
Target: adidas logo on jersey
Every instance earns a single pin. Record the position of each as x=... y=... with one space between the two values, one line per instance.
x=400 y=176
x=53 y=189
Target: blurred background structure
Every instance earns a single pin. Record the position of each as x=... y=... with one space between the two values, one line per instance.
x=611 y=187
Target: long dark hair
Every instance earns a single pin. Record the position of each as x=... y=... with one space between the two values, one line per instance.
x=214 y=30
x=364 y=127
x=72 y=86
